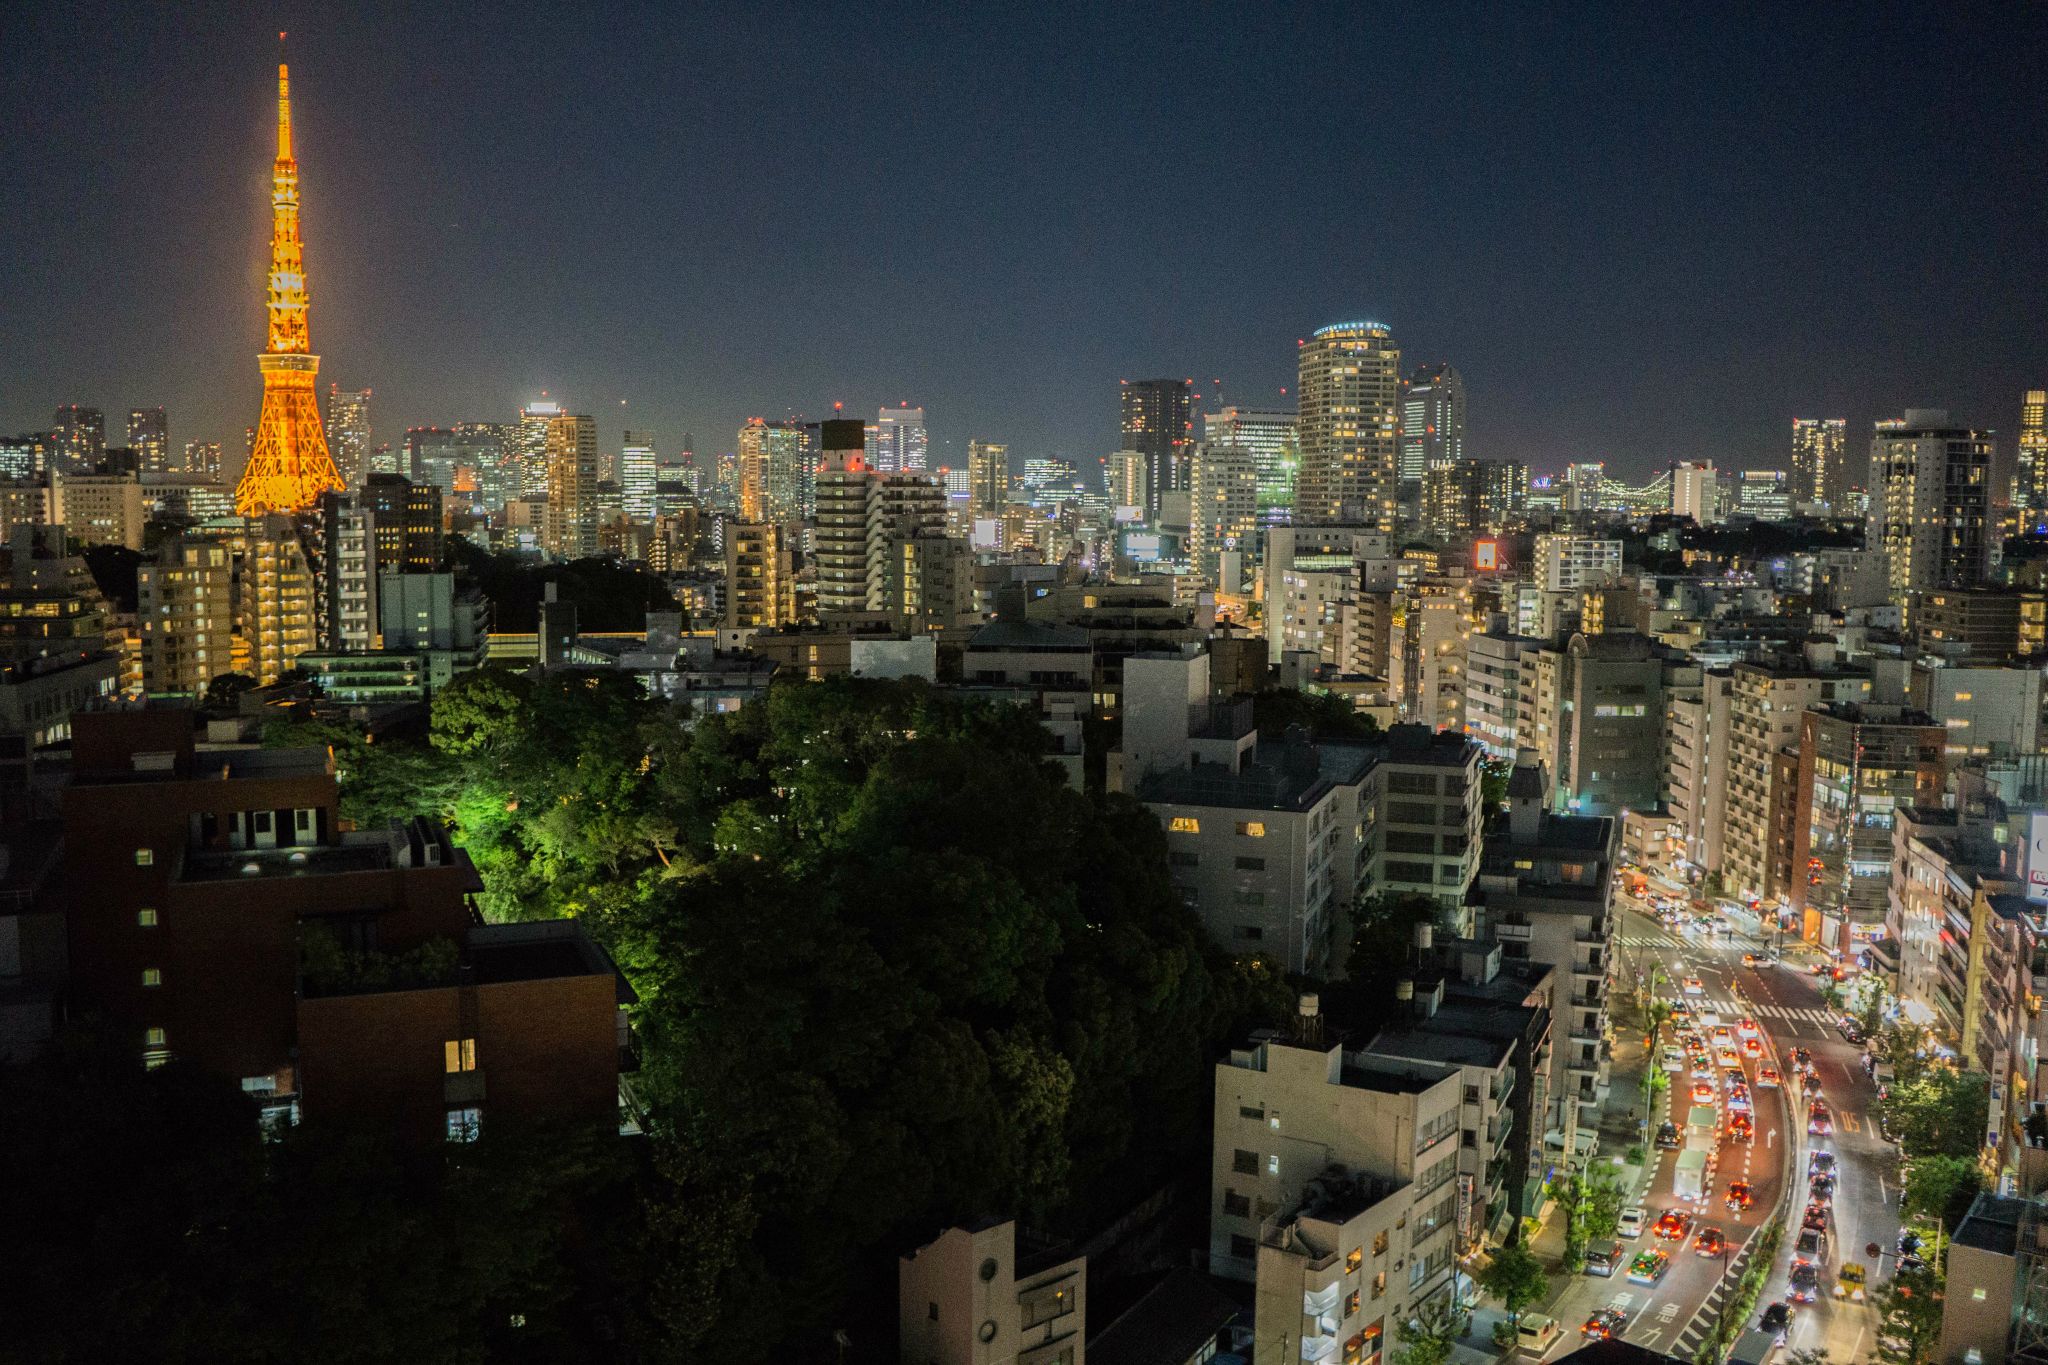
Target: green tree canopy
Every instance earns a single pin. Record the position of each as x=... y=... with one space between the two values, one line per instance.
x=1515 y=1277
x=1942 y=1113
x=1940 y=1188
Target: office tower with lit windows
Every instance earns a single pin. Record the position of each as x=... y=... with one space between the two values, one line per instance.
x=2030 y=482
x=900 y=443
x=1350 y=392
x=1818 y=445
x=1223 y=511
x=406 y=521
x=1470 y=498
x=348 y=431
x=1273 y=436
x=27 y=455
x=569 y=526
x=988 y=478
x=202 y=459
x=454 y=457
x=149 y=436
x=1931 y=507
x=1432 y=424
x=532 y=446
x=1156 y=422
x=1765 y=494
x=1129 y=478
x=772 y=479
x=1695 y=492
x=840 y=541
x=636 y=476
x=78 y=439
x=187 y=617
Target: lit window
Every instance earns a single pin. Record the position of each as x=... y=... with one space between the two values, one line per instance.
x=459 y=1054
x=1252 y=829
x=146 y=918
x=144 y=857
x=1963 y=696
x=1273 y=1164
x=153 y=1037
x=151 y=976
x=464 y=1124
x=1185 y=824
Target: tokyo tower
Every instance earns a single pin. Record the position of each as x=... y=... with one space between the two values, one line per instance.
x=289 y=468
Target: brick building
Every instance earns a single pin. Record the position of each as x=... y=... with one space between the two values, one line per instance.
x=219 y=911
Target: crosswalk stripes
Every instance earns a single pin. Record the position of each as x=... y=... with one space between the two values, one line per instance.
x=1762 y=1009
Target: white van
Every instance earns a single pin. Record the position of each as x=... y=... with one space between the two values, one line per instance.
x=1536 y=1334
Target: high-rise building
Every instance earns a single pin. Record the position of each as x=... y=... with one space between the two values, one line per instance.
x=277 y=607
x=187 y=615
x=532 y=446
x=99 y=509
x=348 y=426
x=1273 y=436
x=454 y=458
x=202 y=459
x=1765 y=494
x=1931 y=508
x=1129 y=478
x=1695 y=492
x=569 y=526
x=899 y=441
x=1432 y=424
x=345 y=572
x=760 y=578
x=1469 y=498
x=1818 y=445
x=149 y=436
x=636 y=476
x=1156 y=423
x=78 y=438
x=840 y=542
x=289 y=467
x=2030 y=483
x=406 y=520
x=772 y=477
x=1223 y=512
x=1350 y=391
x=26 y=456
x=988 y=478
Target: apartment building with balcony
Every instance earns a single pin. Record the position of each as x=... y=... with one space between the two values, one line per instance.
x=1427 y=831
x=1544 y=887
x=1498 y=692
x=1766 y=701
x=219 y=912
x=1943 y=861
x=1340 y=1270
x=1696 y=766
x=1857 y=764
x=1291 y=1105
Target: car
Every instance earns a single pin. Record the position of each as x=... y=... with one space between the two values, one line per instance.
x=1648 y=1267
x=1811 y=1247
x=1747 y=1028
x=1802 y=1059
x=1818 y=1124
x=1727 y=1058
x=1753 y=1047
x=1671 y=1058
x=1604 y=1324
x=1777 y=1320
x=1694 y=986
x=1741 y=1194
x=1673 y=1225
x=1850 y=1030
x=1749 y=959
x=1816 y=1217
x=1724 y=1036
x=1821 y=1187
x=1667 y=1137
x=1702 y=1092
x=1820 y=1163
x=1702 y=1065
x=1805 y=1281
x=1850 y=1282
x=1602 y=1261
x=1710 y=1242
x=1630 y=1224
x=1767 y=1077
x=1741 y=1129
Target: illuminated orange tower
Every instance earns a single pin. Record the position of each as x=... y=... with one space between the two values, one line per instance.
x=289 y=468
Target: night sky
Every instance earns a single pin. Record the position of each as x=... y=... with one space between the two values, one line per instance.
x=1642 y=233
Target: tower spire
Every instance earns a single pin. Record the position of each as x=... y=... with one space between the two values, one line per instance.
x=290 y=467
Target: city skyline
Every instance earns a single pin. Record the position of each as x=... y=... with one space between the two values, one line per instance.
x=457 y=286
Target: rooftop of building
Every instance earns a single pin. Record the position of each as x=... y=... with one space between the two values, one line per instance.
x=419 y=844
x=1292 y=775
x=1362 y=1072
x=1992 y=1224
x=1555 y=832
x=1168 y=1326
x=1419 y=744
x=1052 y=636
x=1460 y=1033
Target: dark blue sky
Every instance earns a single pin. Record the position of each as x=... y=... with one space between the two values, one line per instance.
x=1643 y=233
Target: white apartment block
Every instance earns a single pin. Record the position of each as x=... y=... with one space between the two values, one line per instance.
x=1696 y=766
x=1427 y=823
x=1766 y=702
x=1573 y=563
x=1499 y=697
x=970 y=1298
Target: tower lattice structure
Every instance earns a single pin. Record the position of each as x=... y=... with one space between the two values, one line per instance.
x=289 y=468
